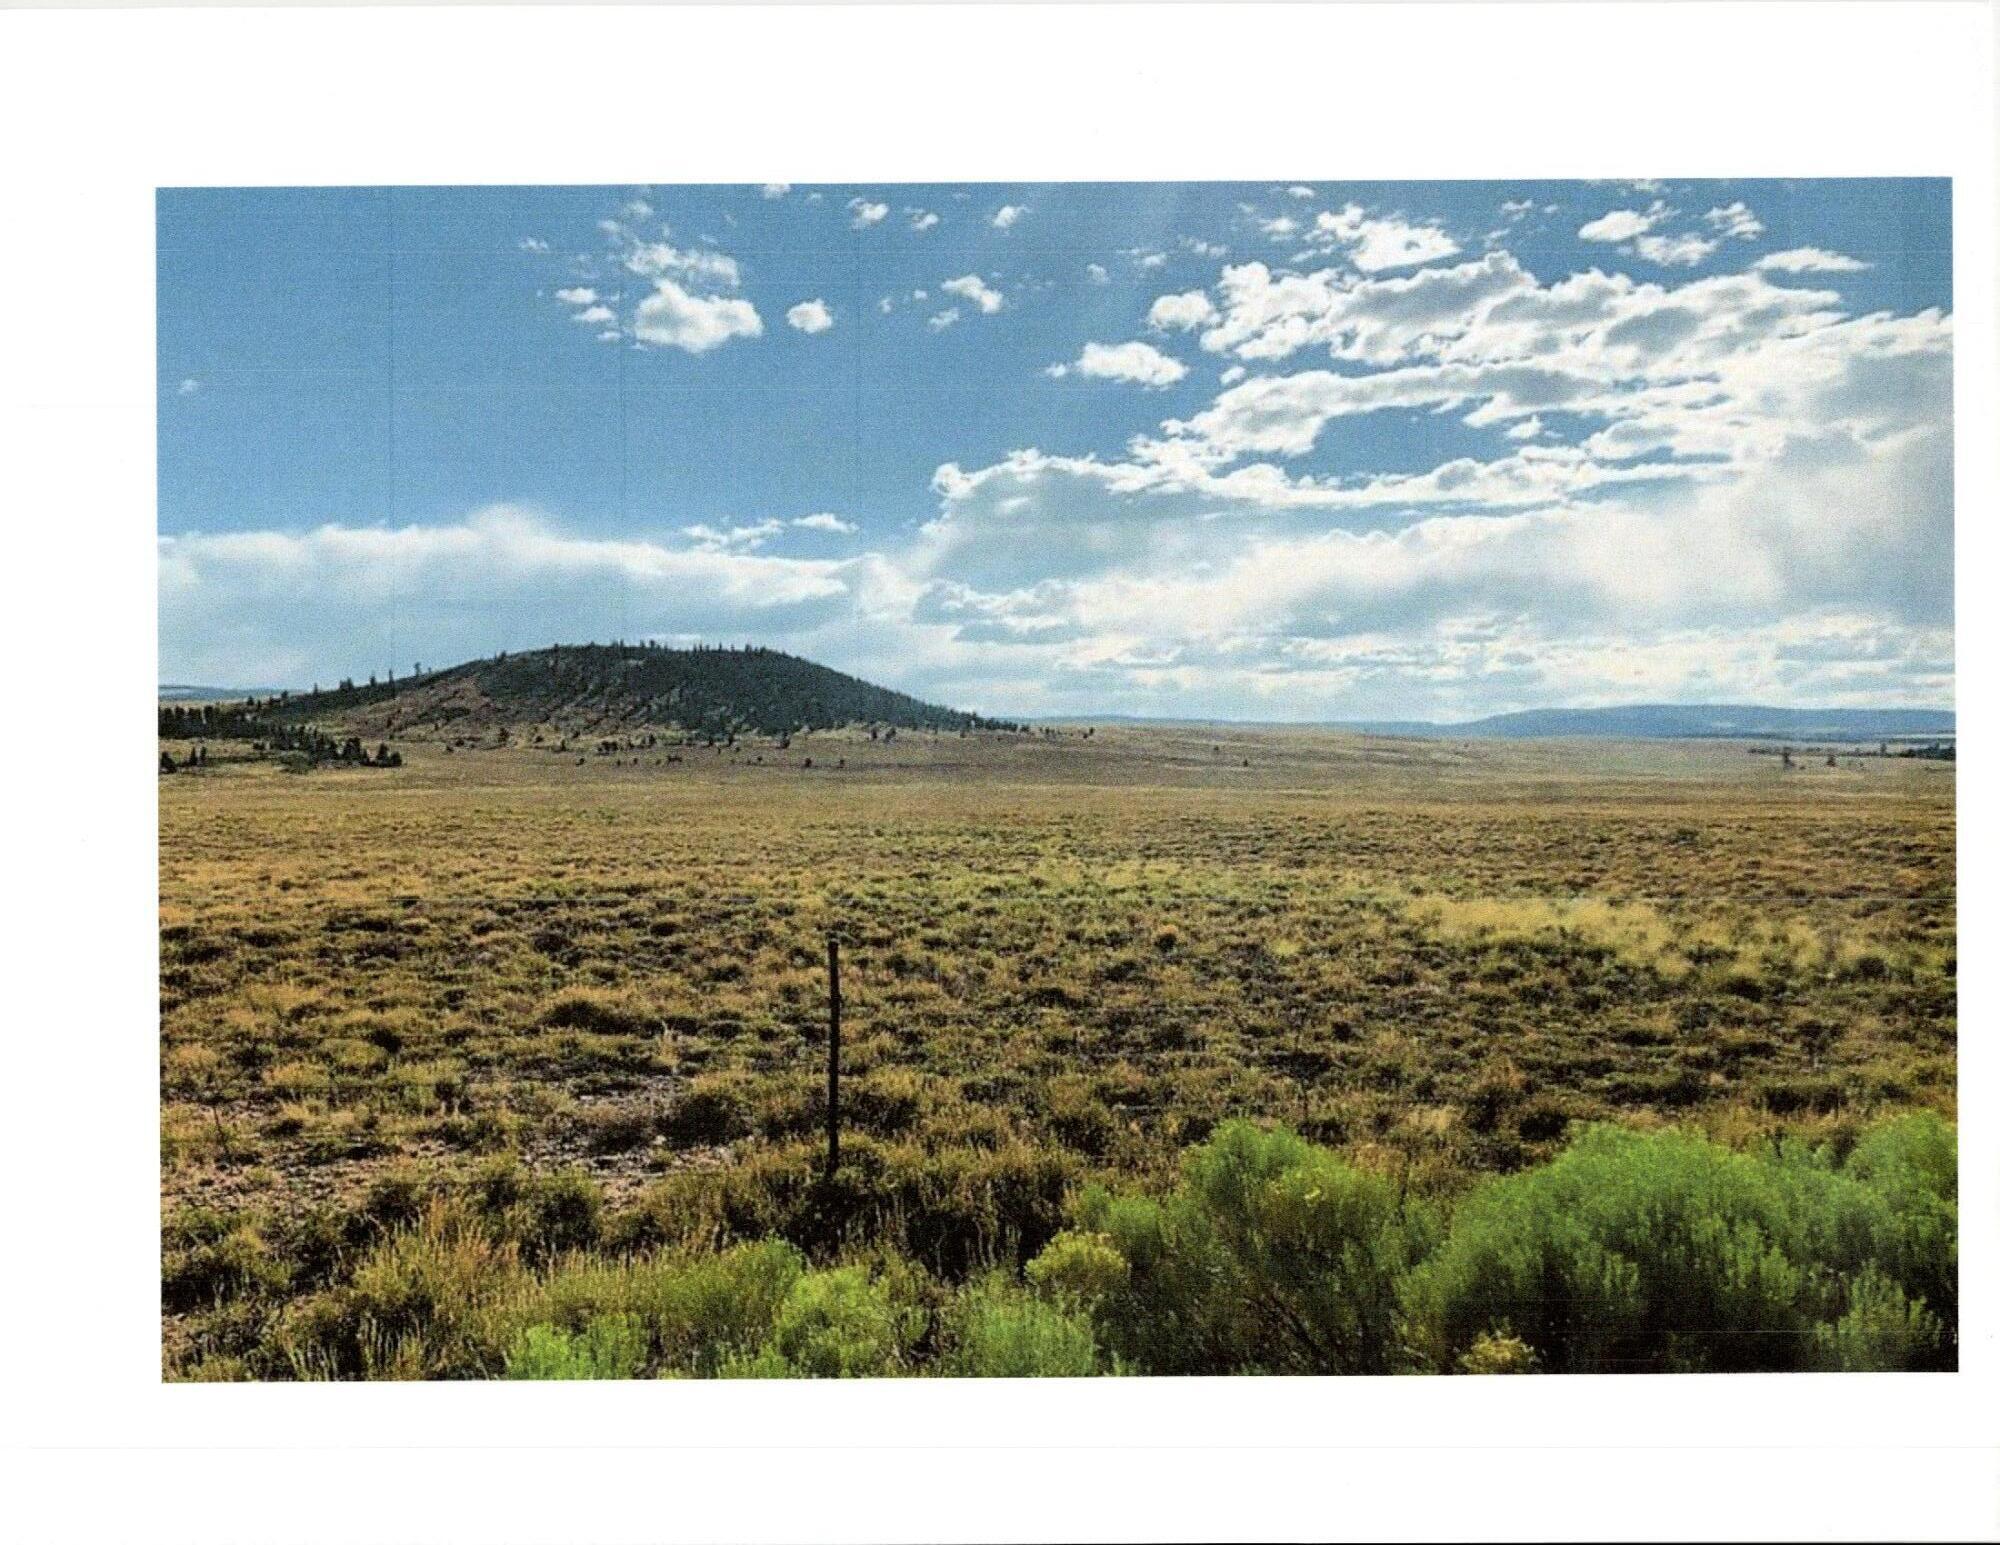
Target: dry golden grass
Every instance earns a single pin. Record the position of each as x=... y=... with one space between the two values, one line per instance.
x=1078 y=954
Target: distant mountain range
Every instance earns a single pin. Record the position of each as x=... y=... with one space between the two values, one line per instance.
x=1637 y=721
x=765 y=690
x=1686 y=721
x=181 y=692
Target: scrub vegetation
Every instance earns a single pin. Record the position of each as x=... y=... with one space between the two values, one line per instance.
x=1166 y=1050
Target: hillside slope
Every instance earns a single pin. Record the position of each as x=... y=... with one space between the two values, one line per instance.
x=590 y=688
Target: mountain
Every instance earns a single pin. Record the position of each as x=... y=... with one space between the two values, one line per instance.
x=591 y=688
x=181 y=692
x=1673 y=721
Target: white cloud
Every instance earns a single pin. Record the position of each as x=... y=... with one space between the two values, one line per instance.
x=1527 y=429
x=1622 y=224
x=1809 y=260
x=1138 y=363
x=676 y=319
x=650 y=259
x=866 y=212
x=188 y=387
x=532 y=244
x=1279 y=227
x=1180 y=312
x=744 y=538
x=776 y=190
x=922 y=219
x=826 y=522
x=1098 y=273
x=970 y=287
x=681 y=311
x=1006 y=215
x=1300 y=190
x=1735 y=219
x=1683 y=251
x=941 y=320
x=810 y=316
x=307 y=604
x=1232 y=375
x=637 y=209
x=1378 y=242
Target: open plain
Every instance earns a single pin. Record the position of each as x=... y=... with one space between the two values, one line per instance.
x=539 y=1013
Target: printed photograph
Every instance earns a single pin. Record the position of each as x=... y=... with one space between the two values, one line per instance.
x=1144 y=779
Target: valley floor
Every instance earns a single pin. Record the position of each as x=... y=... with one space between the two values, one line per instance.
x=585 y=992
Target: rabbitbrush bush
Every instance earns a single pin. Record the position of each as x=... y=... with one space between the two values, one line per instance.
x=1664 y=1252
x=1270 y=1256
x=1630 y=1251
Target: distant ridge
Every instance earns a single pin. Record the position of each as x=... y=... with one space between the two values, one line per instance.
x=1695 y=721
x=592 y=687
x=181 y=692
x=1638 y=721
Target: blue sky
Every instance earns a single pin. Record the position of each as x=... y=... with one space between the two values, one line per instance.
x=1273 y=450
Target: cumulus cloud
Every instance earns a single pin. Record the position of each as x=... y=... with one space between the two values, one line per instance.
x=1377 y=242
x=970 y=287
x=311 y=603
x=1137 y=362
x=867 y=212
x=1683 y=251
x=1178 y=313
x=1735 y=219
x=1423 y=484
x=1005 y=217
x=810 y=316
x=684 y=309
x=673 y=318
x=1809 y=260
x=1622 y=224
x=1758 y=503
x=921 y=219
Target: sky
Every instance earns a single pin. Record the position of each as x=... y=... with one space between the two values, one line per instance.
x=1288 y=451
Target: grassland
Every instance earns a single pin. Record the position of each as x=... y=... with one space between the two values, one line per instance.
x=473 y=1064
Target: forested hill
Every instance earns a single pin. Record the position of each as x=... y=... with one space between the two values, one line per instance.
x=592 y=687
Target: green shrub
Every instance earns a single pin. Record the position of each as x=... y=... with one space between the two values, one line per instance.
x=1664 y=1252
x=695 y=1310
x=1000 y=1333
x=1270 y=1256
x=1498 y=1351
x=1883 y=1331
x=835 y=1324
x=613 y=1347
